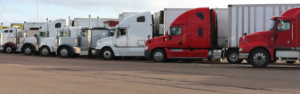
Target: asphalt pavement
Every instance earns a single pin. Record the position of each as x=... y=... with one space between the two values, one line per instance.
x=20 y=74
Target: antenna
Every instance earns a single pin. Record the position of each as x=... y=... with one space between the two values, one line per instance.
x=89 y=21
x=37 y=10
x=98 y=21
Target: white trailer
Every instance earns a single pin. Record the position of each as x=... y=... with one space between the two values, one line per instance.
x=125 y=15
x=249 y=18
x=84 y=22
x=129 y=38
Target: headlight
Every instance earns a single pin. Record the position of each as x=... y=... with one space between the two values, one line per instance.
x=146 y=48
x=241 y=49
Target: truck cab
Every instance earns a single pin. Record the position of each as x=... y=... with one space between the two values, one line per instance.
x=129 y=38
x=192 y=35
x=280 y=42
x=9 y=37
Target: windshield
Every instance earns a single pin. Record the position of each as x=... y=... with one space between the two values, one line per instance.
x=84 y=32
x=273 y=25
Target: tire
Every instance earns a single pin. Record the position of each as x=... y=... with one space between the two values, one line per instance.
x=159 y=55
x=64 y=52
x=107 y=54
x=9 y=49
x=45 y=51
x=290 y=62
x=259 y=58
x=28 y=50
x=233 y=57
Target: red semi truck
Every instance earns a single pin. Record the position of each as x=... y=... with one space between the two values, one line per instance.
x=280 y=42
x=192 y=35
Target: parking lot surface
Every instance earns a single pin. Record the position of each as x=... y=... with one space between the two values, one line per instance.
x=22 y=74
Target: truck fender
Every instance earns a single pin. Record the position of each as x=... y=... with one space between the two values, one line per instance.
x=113 y=47
x=66 y=45
x=26 y=44
x=11 y=44
x=51 y=48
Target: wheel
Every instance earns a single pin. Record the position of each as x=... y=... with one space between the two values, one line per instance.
x=64 y=52
x=259 y=58
x=233 y=57
x=9 y=49
x=159 y=55
x=290 y=62
x=45 y=51
x=214 y=60
x=28 y=50
x=107 y=54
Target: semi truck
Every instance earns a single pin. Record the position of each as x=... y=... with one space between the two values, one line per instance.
x=74 y=41
x=7 y=38
x=124 y=15
x=81 y=22
x=129 y=38
x=280 y=42
x=221 y=34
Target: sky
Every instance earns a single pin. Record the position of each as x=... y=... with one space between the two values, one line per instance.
x=18 y=11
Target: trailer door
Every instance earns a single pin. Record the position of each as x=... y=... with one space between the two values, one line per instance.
x=284 y=37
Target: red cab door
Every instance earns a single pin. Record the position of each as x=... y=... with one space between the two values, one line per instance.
x=174 y=41
x=284 y=37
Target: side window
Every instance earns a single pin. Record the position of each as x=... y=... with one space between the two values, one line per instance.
x=58 y=25
x=122 y=32
x=63 y=34
x=83 y=33
x=200 y=15
x=10 y=31
x=21 y=34
x=141 y=19
x=176 y=30
x=5 y=31
x=42 y=34
x=200 y=31
x=286 y=26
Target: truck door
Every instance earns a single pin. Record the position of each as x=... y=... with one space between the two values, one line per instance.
x=284 y=37
x=174 y=41
x=121 y=41
x=197 y=41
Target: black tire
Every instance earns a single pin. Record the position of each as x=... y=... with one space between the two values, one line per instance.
x=28 y=50
x=259 y=58
x=45 y=51
x=159 y=55
x=64 y=52
x=9 y=49
x=233 y=57
x=107 y=54
x=290 y=62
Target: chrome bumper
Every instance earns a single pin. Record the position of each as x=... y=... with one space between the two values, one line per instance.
x=243 y=55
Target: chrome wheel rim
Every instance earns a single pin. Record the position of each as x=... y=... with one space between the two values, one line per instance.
x=8 y=49
x=107 y=54
x=259 y=58
x=63 y=52
x=233 y=57
x=27 y=50
x=45 y=51
x=158 y=56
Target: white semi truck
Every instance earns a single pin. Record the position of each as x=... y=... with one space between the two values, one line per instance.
x=73 y=41
x=8 y=38
x=129 y=38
